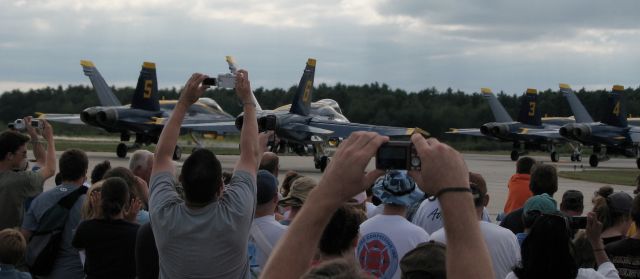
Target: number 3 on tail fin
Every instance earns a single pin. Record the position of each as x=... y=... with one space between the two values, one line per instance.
x=532 y=108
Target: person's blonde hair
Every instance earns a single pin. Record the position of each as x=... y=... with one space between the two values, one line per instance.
x=90 y=210
x=12 y=246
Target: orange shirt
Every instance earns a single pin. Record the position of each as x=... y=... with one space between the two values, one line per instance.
x=519 y=192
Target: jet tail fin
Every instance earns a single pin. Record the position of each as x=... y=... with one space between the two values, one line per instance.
x=616 y=114
x=499 y=113
x=146 y=94
x=302 y=99
x=579 y=112
x=105 y=95
x=529 y=113
x=233 y=68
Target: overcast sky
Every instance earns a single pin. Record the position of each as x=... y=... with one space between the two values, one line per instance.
x=506 y=45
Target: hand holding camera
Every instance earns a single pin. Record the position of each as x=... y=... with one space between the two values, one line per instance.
x=26 y=124
x=397 y=155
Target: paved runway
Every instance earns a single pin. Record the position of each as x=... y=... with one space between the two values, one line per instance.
x=496 y=170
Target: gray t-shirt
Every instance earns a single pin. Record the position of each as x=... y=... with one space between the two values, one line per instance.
x=68 y=264
x=15 y=187
x=209 y=242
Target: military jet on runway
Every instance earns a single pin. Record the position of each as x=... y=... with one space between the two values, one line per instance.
x=529 y=118
x=146 y=115
x=612 y=135
x=307 y=131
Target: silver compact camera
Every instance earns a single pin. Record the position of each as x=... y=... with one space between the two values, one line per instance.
x=222 y=81
x=21 y=125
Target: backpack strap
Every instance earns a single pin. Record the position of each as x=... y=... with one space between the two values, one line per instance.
x=69 y=200
x=260 y=239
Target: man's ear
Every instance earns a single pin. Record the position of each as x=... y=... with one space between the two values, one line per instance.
x=486 y=199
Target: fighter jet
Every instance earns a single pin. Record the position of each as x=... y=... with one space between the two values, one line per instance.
x=146 y=115
x=612 y=135
x=546 y=135
x=308 y=131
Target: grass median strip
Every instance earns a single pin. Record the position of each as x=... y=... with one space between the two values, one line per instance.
x=619 y=177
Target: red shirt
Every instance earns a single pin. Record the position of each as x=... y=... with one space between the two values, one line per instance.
x=519 y=192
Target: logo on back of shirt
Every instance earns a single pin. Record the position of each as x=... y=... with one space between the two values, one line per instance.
x=377 y=255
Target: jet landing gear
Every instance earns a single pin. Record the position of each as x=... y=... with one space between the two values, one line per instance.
x=597 y=156
x=555 y=157
x=322 y=163
x=122 y=149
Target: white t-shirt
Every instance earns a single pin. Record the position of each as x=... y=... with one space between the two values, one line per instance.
x=429 y=216
x=372 y=210
x=272 y=231
x=605 y=271
x=502 y=243
x=384 y=240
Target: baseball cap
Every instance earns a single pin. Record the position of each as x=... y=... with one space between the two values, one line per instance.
x=573 y=200
x=300 y=189
x=427 y=260
x=620 y=202
x=396 y=187
x=542 y=203
x=267 y=186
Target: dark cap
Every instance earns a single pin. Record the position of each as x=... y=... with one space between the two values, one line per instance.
x=572 y=200
x=427 y=260
x=267 y=185
x=620 y=202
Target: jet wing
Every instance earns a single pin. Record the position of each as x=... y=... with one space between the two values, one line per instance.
x=547 y=133
x=61 y=118
x=298 y=127
x=224 y=127
x=343 y=130
x=469 y=132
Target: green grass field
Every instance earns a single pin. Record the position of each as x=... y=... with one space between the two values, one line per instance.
x=620 y=177
x=110 y=146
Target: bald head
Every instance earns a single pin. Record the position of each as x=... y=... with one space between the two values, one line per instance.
x=141 y=164
x=270 y=162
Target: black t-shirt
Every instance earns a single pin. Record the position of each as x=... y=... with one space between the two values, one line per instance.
x=607 y=240
x=625 y=255
x=147 y=264
x=513 y=221
x=109 y=246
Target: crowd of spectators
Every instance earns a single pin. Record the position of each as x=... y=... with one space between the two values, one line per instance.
x=153 y=220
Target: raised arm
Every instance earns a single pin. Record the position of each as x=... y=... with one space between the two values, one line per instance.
x=192 y=90
x=443 y=167
x=49 y=167
x=343 y=179
x=250 y=152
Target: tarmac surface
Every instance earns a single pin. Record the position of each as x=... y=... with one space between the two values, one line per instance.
x=496 y=169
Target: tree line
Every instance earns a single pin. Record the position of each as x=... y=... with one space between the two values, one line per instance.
x=430 y=109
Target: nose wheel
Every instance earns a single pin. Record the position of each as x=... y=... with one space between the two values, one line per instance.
x=121 y=150
x=593 y=160
x=555 y=157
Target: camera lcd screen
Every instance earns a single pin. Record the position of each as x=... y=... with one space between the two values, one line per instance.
x=392 y=157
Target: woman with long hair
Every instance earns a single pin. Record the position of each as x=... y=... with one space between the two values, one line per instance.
x=547 y=252
x=109 y=241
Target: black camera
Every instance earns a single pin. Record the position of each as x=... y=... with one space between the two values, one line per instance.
x=577 y=222
x=397 y=155
x=267 y=123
